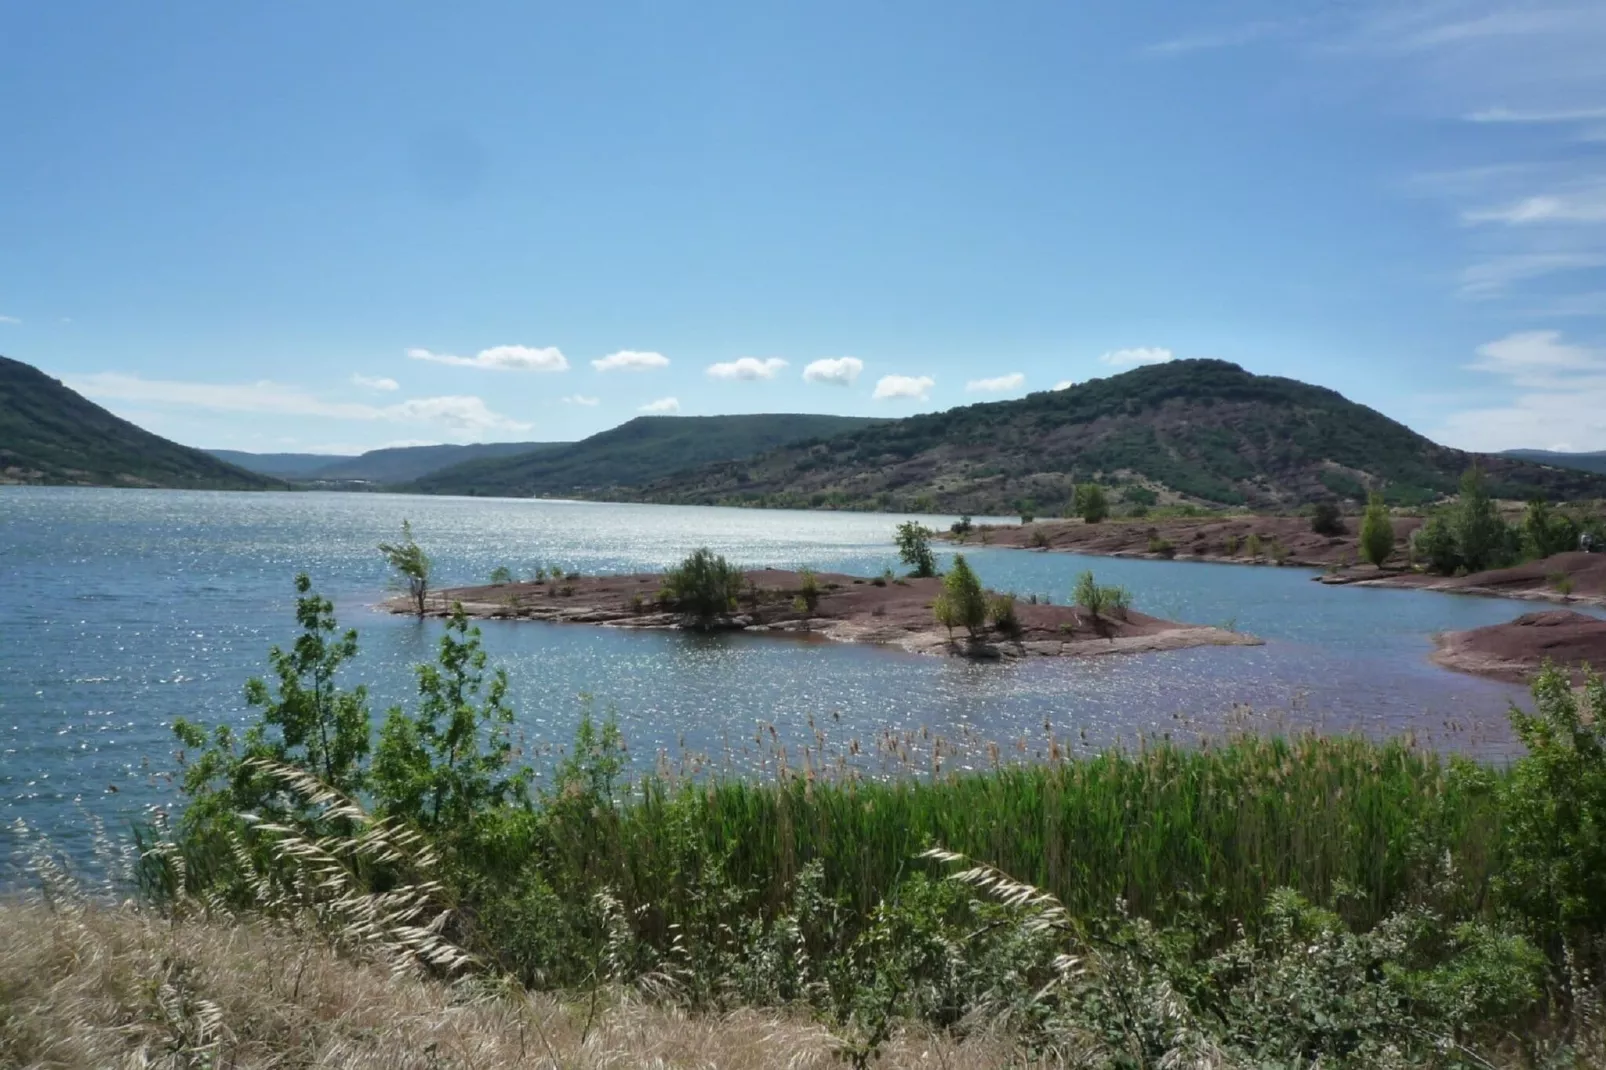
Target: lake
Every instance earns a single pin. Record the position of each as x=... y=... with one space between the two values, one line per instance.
x=122 y=610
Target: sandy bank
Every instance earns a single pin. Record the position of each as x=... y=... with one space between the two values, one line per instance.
x=1515 y=650
x=850 y=609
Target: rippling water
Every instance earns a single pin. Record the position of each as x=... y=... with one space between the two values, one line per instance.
x=121 y=610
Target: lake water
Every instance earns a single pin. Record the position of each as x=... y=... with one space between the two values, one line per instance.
x=121 y=610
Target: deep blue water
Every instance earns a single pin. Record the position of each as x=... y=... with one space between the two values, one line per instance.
x=121 y=610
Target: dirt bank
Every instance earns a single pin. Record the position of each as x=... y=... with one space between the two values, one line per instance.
x=1284 y=540
x=1571 y=577
x=1515 y=650
x=850 y=609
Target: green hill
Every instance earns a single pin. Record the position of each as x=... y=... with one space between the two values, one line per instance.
x=51 y=435
x=395 y=464
x=1196 y=430
x=630 y=455
x=1583 y=462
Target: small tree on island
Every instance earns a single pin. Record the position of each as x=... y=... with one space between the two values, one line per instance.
x=913 y=540
x=1377 y=531
x=704 y=586
x=1092 y=505
x=1326 y=519
x=962 y=603
x=411 y=565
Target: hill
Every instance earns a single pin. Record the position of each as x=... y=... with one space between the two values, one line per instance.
x=1583 y=462
x=1196 y=430
x=51 y=435
x=395 y=464
x=634 y=453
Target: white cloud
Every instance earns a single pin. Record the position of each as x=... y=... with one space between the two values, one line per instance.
x=380 y=383
x=1132 y=358
x=1564 y=115
x=839 y=371
x=630 y=360
x=501 y=358
x=662 y=406
x=747 y=369
x=997 y=385
x=1550 y=388
x=9 y=319
x=1063 y=384
x=1582 y=206
x=917 y=387
x=581 y=399
x=1492 y=277
x=463 y=413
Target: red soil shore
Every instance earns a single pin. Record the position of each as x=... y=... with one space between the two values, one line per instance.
x=1517 y=649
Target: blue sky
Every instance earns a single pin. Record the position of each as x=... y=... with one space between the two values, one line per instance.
x=334 y=227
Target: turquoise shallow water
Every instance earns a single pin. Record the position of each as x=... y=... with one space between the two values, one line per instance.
x=121 y=610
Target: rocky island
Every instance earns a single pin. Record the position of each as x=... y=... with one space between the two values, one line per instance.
x=1516 y=650
x=887 y=611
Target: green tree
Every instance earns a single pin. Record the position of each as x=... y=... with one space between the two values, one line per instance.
x=704 y=586
x=808 y=592
x=441 y=766
x=1546 y=532
x=1092 y=505
x=962 y=603
x=1377 y=531
x=1028 y=510
x=1325 y=519
x=1433 y=545
x=913 y=540
x=500 y=575
x=1481 y=537
x=411 y=565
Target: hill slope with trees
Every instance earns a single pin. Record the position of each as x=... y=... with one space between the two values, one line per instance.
x=1194 y=430
x=647 y=448
x=1584 y=462
x=52 y=435
x=393 y=464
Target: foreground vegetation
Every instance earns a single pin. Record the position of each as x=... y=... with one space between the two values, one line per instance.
x=1252 y=902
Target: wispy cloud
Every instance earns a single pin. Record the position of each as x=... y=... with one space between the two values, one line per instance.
x=999 y=384
x=1583 y=205
x=917 y=387
x=630 y=360
x=459 y=412
x=838 y=371
x=501 y=358
x=663 y=406
x=1209 y=40
x=1132 y=358
x=1552 y=389
x=581 y=399
x=9 y=319
x=1515 y=115
x=380 y=383
x=747 y=369
x=1495 y=276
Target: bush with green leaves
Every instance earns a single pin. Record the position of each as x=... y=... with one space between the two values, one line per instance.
x=1002 y=615
x=1377 y=531
x=501 y=575
x=704 y=587
x=1100 y=601
x=1546 y=531
x=1482 y=539
x=962 y=603
x=913 y=540
x=1326 y=519
x=808 y=592
x=1028 y=510
x=411 y=565
x=1091 y=503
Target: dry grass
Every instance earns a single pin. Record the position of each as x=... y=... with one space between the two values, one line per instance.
x=93 y=988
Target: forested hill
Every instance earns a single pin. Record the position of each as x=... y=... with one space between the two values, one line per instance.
x=390 y=465
x=633 y=454
x=1197 y=430
x=1584 y=462
x=49 y=434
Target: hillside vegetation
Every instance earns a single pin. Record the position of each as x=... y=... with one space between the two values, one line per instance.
x=633 y=454
x=1202 y=430
x=51 y=435
x=395 y=464
x=1584 y=462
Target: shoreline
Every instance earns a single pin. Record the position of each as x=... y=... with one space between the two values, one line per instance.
x=1516 y=650
x=894 y=613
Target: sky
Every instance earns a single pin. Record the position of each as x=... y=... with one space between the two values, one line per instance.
x=328 y=228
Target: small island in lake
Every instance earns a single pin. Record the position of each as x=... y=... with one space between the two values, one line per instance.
x=889 y=611
x=1516 y=650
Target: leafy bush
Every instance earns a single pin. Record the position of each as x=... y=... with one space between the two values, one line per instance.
x=1099 y=600
x=704 y=586
x=1233 y=542
x=962 y=526
x=1027 y=510
x=808 y=592
x=913 y=540
x=1433 y=544
x=1482 y=539
x=1377 y=531
x=501 y=575
x=1546 y=532
x=1001 y=613
x=1252 y=545
x=962 y=602
x=1092 y=505
x=1162 y=546
x=1326 y=519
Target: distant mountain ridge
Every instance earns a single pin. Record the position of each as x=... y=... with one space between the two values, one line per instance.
x=1584 y=462
x=51 y=435
x=393 y=464
x=635 y=453
x=1193 y=430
